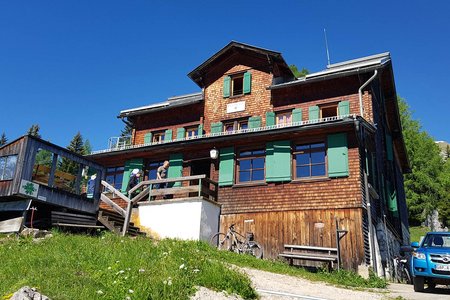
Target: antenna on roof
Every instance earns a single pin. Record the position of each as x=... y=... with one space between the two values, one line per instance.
x=326 y=46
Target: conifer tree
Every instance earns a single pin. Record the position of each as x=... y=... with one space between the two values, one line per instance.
x=3 y=139
x=34 y=130
x=76 y=145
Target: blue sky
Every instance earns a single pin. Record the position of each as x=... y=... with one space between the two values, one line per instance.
x=73 y=65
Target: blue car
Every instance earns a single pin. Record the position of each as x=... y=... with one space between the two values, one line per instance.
x=431 y=261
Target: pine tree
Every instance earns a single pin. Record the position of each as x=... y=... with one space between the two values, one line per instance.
x=34 y=130
x=3 y=139
x=127 y=130
x=87 y=147
x=447 y=152
x=76 y=145
x=298 y=73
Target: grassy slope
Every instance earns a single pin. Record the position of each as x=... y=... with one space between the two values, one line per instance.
x=111 y=267
x=416 y=232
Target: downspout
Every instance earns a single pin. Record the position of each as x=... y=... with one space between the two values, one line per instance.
x=367 y=193
x=361 y=108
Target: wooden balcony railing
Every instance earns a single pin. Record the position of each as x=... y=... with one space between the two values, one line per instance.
x=198 y=186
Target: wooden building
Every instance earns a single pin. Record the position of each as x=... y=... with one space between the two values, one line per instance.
x=38 y=176
x=295 y=154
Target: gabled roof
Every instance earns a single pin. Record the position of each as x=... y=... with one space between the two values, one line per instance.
x=345 y=68
x=271 y=59
x=171 y=102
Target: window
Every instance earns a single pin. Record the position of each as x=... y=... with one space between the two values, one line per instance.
x=158 y=137
x=328 y=111
x=114 y=176
x=152 y=169
x=235 y=125
x=284 y=118
x=191 y=132
x=42 y=166
x=310 y=160
x=237 y=84
x=251 y=165
x=7 y=167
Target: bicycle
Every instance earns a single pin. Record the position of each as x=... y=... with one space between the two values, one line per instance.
x=235 y=242
x=401 y=269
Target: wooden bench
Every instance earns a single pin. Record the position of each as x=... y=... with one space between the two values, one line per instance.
x=64 y=219
x=312 y=253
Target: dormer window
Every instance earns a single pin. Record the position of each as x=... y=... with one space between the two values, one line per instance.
x=237 y=84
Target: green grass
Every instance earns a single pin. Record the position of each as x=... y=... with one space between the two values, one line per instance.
x=112 y=267
x=416 y=232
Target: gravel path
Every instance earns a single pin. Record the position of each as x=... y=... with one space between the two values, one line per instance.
x=284 y=287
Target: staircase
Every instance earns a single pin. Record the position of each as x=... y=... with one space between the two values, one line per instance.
x=114 y=222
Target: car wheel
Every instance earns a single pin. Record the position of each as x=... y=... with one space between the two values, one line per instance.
x=419 y=283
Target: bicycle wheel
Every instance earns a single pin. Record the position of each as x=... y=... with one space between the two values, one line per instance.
x=221 y=241
x=255 y=249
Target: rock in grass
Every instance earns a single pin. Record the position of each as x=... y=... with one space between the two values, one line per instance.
x=27 y=293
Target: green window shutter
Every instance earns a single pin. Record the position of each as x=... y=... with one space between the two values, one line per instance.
x=392 y=205
x=200 y=130
x=270 y=118
x=254 y=122
x=131 y=164
x=226 y=166
x=247 y=82
x=176 y=167
x=389 y=149
x=314 y=112
x=278 y=161
x=226 y=86
x=297 y=115
x=344 y=108
x=168 y=135
x=148 y=138
x=216 y=127
x=337 y=155
x=181 y=133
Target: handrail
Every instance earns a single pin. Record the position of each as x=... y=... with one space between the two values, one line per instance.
x=167 y=180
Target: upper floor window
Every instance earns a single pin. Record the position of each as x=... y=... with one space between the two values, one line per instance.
x=235 y=125
x=284 y=118
x=328 y=111
x=158 y=137
x=191 y=132
x=237 y=84
x=114 y=176
x=310 y=160
x=7 y=167
x=251 y=165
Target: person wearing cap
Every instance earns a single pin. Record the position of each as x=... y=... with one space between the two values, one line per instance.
x=134 y=180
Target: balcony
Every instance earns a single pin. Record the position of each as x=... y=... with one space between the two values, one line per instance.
x=123 y=145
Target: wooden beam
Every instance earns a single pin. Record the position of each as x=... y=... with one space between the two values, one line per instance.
x=116 y=207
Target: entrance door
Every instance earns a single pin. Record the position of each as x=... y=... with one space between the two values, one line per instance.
x=199 y=167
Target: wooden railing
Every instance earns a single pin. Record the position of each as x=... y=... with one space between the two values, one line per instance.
x=198 y=186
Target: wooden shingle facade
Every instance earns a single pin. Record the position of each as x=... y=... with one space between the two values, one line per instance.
x=295 y=154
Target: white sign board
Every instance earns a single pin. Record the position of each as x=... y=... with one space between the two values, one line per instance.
x=29 y=188
x=235 y=107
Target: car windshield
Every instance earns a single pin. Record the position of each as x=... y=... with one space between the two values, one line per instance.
x=437 y=240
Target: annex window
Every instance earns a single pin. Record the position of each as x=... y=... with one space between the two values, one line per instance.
x=114 y=176
x=235 y=125
x=66 y=175
x=310 y=160
x=7 y=167
x=42 y=166
x=152 y=169
x=158 y=137
x=328 y=111
x=251 y=166
x=283 y=118
x=191 y=132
